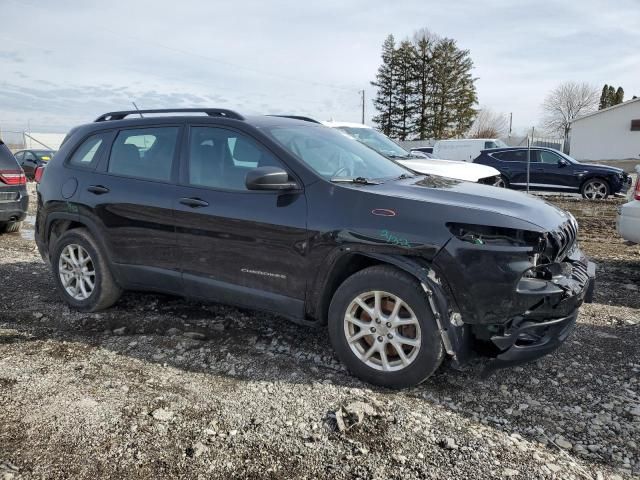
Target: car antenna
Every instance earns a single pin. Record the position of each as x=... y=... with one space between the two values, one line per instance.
x=139 y=113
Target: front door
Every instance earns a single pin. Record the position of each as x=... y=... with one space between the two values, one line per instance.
x=238 y=246
x=554 y=172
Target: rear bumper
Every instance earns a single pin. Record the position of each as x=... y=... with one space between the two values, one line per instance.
x=16 y=210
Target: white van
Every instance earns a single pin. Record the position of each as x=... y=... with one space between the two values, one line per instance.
x=464 y=149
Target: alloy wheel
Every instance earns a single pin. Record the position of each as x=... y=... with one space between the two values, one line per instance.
x=382 y=331
x=77 y=272
x=595 y=190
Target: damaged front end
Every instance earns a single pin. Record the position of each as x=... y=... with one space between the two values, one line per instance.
x=517 y=291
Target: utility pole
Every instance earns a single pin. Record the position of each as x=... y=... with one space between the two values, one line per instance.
x=529 y=142
x=510 y=123
x=362 y=91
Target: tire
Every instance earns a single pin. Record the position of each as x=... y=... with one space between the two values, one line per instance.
x=105 y=291
x=10 y=227
x=595 y=189
x=390 y=283
x=502 y=182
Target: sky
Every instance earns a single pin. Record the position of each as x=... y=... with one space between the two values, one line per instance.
x=65 y=62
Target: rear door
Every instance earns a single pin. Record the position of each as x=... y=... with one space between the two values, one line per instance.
x=130 y=196
x=512 y=164
x=236 y=245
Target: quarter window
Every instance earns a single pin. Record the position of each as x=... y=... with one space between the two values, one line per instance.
x=86 y=154
x=221 y=158
x=145 y=153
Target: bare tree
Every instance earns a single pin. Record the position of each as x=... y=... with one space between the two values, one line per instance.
x=489 y=124
x=565 y=103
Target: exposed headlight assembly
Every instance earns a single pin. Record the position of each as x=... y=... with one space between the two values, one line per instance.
x=498 y=236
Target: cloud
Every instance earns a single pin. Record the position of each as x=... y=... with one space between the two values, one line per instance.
x=284 y=56
x=10 y=56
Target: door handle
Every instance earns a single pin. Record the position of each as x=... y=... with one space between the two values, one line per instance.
x=194 y=202
x=98 y=189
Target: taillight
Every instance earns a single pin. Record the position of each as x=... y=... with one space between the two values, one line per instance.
x=13 y=177
x=636 y=192
x=38 y=174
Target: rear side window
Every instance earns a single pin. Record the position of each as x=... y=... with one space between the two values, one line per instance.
x=7 y=161
x=86 y=155
x=513 y=156
x=145 y=153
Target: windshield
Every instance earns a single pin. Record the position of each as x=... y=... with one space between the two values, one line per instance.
x=335 y=155
x=566 y=157
x=44 y=156
x=376 y=140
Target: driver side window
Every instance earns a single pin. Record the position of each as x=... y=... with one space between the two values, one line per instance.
x=548 y=158
x=221 y=158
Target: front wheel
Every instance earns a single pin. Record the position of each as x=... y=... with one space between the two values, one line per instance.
x=81 y=272
x=595 y=189
x=382 y=328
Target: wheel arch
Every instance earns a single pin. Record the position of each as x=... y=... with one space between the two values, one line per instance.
x=350 y=263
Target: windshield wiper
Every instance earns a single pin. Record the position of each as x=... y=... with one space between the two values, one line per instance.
x=357 y=180
x=403 y=176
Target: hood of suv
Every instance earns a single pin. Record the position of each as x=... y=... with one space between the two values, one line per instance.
x=474 y=196
x=589 y=167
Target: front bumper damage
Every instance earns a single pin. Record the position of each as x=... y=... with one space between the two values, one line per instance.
x=504 y=306
x=545 y=326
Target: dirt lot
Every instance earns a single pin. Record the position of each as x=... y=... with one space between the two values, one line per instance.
x=160 y=387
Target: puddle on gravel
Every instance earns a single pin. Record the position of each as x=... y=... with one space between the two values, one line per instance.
x=28 y=228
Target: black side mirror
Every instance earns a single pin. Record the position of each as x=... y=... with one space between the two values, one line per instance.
x=269 y=178
x=562 y=163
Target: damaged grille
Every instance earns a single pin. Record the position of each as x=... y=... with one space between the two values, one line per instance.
x=564 y=239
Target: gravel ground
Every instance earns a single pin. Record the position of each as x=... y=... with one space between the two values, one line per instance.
x=162 y=387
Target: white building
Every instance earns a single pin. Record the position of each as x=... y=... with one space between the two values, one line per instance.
x=609 y=134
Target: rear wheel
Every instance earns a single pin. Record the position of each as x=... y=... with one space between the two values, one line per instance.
x=382 y=328
x=595 y=189
x=10 y=227
x=81 y=272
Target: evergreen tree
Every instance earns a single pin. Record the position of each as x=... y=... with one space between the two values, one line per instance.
x=619 y=97
x=404 y=95
x=611 y=96
x=454 y=94
x=384 y=100
x=603 y=97
x=423 y=41
x=424 y=88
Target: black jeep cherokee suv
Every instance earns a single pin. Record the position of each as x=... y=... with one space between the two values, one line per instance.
x=14 y=199
x=295 y=218
x=553 y=171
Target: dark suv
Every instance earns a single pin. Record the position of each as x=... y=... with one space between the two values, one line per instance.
x=14 y=199
x=297 y=219
x=553 y=171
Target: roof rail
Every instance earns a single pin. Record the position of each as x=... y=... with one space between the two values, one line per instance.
x=212 y=112
x=297 y=117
